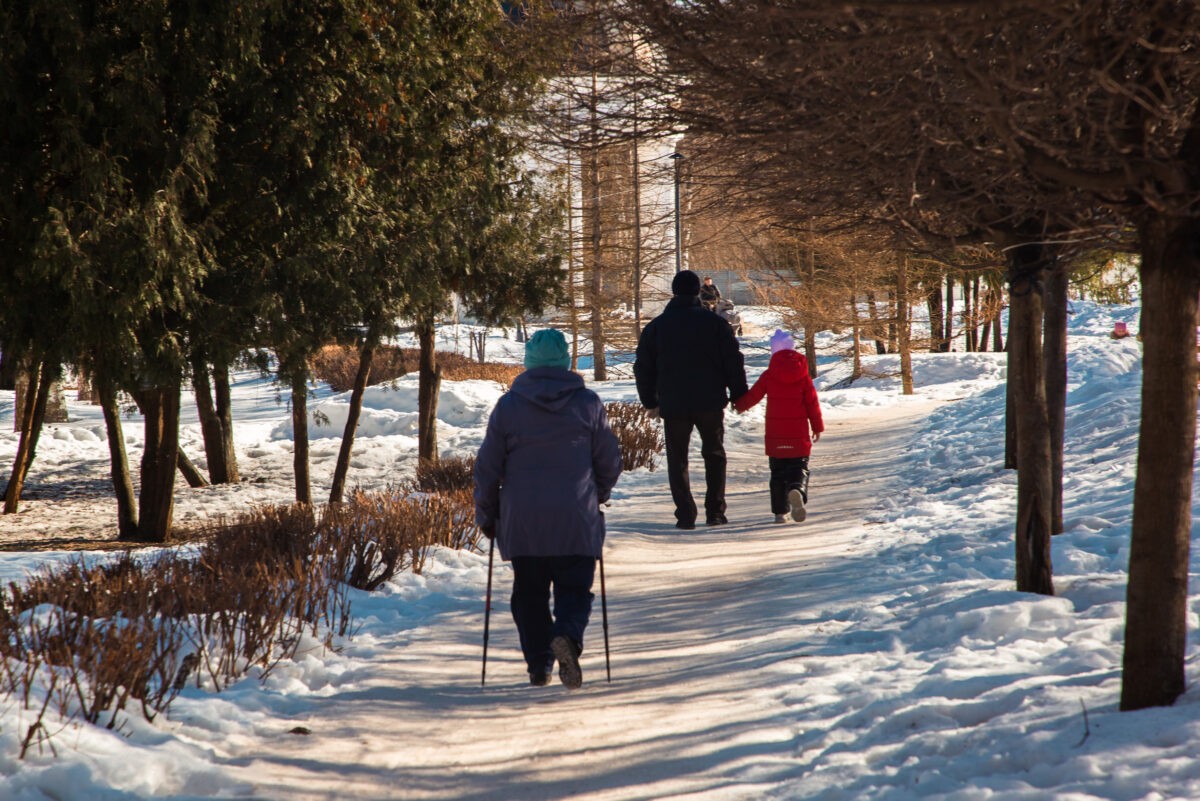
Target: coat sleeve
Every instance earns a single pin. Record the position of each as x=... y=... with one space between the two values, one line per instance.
x=754 y=394
x=732 y=363
x=645 y=367
x=489 y=471
x=812 y=406
x=606 y=455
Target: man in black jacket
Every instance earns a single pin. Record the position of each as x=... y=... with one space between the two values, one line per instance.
x=688 y=368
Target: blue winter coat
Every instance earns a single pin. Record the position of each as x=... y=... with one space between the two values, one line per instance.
x=546 y=464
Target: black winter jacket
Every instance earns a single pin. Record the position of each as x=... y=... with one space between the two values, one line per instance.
x=688 y=360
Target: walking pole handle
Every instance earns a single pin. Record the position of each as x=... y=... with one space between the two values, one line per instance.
x=487 y=611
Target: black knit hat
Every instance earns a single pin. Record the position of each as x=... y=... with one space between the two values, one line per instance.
x=686 y=283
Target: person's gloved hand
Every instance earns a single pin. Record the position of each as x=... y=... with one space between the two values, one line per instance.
x=652 y=413
x=489 y=531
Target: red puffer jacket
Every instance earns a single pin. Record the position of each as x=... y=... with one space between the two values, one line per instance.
x=792 y=407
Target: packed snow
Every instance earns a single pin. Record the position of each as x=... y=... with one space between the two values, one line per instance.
x=878 y=650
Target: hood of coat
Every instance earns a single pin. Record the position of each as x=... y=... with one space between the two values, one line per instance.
x=548 y=387
x=788 y=365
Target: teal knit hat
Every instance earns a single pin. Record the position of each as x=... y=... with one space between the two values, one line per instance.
x=547 y=348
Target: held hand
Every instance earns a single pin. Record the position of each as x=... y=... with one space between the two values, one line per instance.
x=489 y=531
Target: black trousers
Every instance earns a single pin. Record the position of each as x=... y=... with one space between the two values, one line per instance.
x=677 y=431
x=533 y=576
x=787 y=474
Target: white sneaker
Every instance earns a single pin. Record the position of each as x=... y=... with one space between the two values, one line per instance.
x=780 y=518
x=796 y=501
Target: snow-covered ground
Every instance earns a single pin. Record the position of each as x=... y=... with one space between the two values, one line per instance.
x=876 y=651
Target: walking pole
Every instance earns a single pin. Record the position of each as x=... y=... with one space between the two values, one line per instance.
x=487 y=611
x=604 y=615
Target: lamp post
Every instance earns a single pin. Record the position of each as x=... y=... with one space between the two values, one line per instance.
x=677 y=158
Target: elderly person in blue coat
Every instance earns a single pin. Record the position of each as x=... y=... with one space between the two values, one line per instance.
x=547 y=463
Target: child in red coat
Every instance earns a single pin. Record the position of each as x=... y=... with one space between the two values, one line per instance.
x=793 y=424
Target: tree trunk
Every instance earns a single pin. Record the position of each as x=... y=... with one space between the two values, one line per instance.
x=997 y=335
x=903 y=330
x=968 y=325
x=216 y=421
x=599 y=365
x=429 y=383
x=300 y=439
x=1157 y=592
x=365 y=357
x=949 y=335
x=937 y=325
x=224 y=399
x=1010 y=408
x=856 y=338
x=637 y=227
x=127 y=523
x=1054 y=344
x=160 y=460
x=810 y=350
x=8 y=370
x=876 y=325
x=1034 y=486
x=573 y=309
x=41 y=378
x=893 y=342
x=191 y=474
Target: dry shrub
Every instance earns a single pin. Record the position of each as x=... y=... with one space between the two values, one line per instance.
x=89 y=640
x=456 y=367
x=446 y=475
x=379 y=534
x=639 y=437
x=337 y=365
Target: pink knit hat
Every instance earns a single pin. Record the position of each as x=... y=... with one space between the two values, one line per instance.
x=781 y=340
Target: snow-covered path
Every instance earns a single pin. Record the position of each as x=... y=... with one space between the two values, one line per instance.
x=708 y=633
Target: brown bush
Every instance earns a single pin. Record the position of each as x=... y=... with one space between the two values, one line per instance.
x=93 y=639
x=639 y=437
x=337 y=365
x=446 y=475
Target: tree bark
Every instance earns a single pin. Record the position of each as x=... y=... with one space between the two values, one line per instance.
x=856 y=337
x=599 y=364
x=1010 y=406
x=937 y=324
x=191 y=474
x=1157 y=592
x=365 y=356
x=429 y=384
x=1034 y=486
x=224 y=398
x=1054 y=344
x=160 y=460
x=810 y=350
x=300 y=439
x=876 y=325
x=41 y=379
x=949 y=335
x=903 y=330
x=127 y=522
x=216 y=421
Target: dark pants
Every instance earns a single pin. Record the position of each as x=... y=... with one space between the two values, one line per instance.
x=787 y=474
x=533 y=576
x=677 y=431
